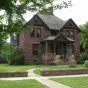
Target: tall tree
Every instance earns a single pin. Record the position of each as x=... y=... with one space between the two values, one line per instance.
x=84 y=41
x=14 y=10
x=84 y=36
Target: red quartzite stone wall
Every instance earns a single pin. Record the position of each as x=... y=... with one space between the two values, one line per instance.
x=63 y=72
x=13 y=74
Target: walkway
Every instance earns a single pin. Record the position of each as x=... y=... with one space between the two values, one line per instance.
x=44 y=80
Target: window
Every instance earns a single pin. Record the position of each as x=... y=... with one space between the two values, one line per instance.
x=53 y=33
x=35 y=21
x=38 y=32
x=70 y=49
x=35 y=49
x=72 y=34
x=68 y=33
x=14 y=36
x=32 y=32
x=70 y=24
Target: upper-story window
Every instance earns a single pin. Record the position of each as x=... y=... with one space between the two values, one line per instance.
x=53 y=33
x=72 y=34
x=32 y=32
x=68 y=33
x=14 y=36
x=38 y=32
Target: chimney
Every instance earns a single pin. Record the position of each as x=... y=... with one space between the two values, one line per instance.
x=50 y=10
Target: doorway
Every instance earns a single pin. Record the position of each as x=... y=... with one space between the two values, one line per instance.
x=54 y=49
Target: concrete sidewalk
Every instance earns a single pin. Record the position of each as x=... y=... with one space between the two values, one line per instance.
x=44 y=79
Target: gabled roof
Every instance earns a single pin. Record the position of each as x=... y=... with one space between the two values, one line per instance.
x=58 y=38
x=54 y=22
x=51 y=21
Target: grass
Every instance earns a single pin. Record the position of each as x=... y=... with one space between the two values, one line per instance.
x=73 y=82
x=21 y=84
x=8 y=68
x=63 y=67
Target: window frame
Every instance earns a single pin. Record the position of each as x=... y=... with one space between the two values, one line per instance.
x=71 y=47
x=53 y=33
x=14 y=36
x=72 y=35
x=35 y=49
x=32 y=35
x=38 y=35
x=68 y=33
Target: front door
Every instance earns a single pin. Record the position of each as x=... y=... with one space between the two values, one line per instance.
x=54 y=49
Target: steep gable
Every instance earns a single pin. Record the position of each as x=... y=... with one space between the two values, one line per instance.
x=35 y=21
x=71 y=24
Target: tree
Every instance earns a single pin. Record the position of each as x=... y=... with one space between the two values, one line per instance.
x=14 y=10
x=84 y=41
x=84 y=36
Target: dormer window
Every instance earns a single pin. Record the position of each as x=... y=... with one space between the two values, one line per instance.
x=53 y=33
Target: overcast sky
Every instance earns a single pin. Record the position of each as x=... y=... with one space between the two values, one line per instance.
x=78 y=12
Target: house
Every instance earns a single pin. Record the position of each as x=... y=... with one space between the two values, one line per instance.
x=49 y=36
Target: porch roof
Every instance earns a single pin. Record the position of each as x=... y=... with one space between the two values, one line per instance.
x=60 y=38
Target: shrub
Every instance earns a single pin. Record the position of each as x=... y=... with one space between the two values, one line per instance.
x=51 y=63
x=13 y=54
x=84 y=57
x=37 y=62
x=72 y=65
x=86 y=64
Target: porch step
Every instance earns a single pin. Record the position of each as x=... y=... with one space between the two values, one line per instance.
x=64 y=62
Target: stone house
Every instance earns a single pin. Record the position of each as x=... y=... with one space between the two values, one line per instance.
x=49 y=36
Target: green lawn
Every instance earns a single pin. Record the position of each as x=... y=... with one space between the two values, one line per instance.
x=73 y=82
x=7 y=68
x=21 y=84
x=63 y=67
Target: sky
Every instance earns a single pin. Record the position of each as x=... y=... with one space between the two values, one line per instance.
x=78 y=12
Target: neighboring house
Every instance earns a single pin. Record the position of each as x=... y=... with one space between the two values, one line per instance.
x=50 y=36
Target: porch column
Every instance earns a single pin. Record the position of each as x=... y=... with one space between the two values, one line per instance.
x=54 y=48
x=46 y=47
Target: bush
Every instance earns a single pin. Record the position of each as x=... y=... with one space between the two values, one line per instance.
x=51 y=63
x=37 y=62
x=80 y=62
x=13 y=54
x=84 y=57
x=86 y=64
x=72 y=65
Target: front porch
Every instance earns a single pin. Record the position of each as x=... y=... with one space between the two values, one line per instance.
x=58 y=46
